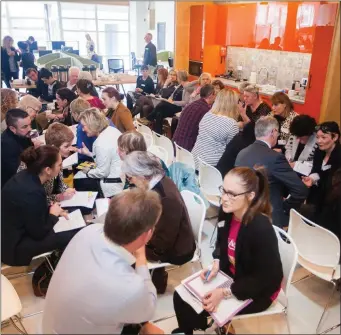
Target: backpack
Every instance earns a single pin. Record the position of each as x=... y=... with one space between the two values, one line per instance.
x=43 y=274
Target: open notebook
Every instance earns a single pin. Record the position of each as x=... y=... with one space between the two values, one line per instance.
x=197 y=288
x=75 y=221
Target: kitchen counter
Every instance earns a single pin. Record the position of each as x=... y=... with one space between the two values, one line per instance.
x=232 y=83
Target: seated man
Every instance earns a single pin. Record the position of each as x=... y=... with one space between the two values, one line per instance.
x=51 y=85
x=101 y=291
x=34 y=75
x=144 y=85
x=282 y=178
x=73 y=78
x=14 y=140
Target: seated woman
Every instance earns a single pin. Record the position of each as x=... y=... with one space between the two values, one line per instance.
x=86 y=75
x=105 y=177
x=164 y=89
x=283 y=112
x=254 y=263
x=144 y=85
x=241 y=89
x=119 y=114
x=173 y=239
x=84 y=89
x=179 y=99
x=9 y=100
x=217 y=128
x=27 y=219
x=32 y=106
x=327 y=159
x=301 y=144
x=204 y=79
x=218 y=85
x=60 y=136
x=64 y=98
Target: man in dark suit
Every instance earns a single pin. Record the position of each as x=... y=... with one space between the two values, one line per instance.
x=149 y=57
x=282 y=179
x=34 y=75
x=14 y=140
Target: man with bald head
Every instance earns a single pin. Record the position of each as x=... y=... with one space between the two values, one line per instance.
x=73 y=77
x=149 y=57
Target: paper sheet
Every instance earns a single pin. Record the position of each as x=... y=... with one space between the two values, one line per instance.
x=102 y=206
x=74 y=130
x=303 y=167
x=75 y=221
x=80 y=175
x=71 y=160
x=80 y=199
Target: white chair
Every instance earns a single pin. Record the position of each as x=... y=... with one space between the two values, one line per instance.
x=318 y=252
x=184 y=156
x=210 y=180
x=166 y=143
x=144 y=129
x=149 y=139
x=10 y=305
x=159 y=152
x=288 y=253
x=196 y=210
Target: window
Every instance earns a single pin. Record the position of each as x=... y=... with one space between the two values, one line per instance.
x=76 y=10
x=305 y=16
x=22 y=9
x=110 y=25
x=32 y=23
x=79 y=24
x=113 y=43
x=113 y=12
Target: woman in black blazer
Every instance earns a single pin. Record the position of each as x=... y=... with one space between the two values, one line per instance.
x=9 y=61
x=27 y=219
x=246 y=250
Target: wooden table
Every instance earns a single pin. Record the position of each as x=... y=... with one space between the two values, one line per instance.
x=16 y=86
x=121 y=80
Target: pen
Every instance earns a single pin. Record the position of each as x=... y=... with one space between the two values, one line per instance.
x=208 y=273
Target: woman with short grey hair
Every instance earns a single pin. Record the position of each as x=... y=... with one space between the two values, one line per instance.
x=173 y=239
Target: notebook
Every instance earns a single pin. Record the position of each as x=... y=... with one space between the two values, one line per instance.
x=71 y=160
x=75 y=221
x=80 y=199
x=227 y=308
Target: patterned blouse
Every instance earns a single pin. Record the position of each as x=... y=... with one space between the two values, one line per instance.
x=56 y=184
x=284 y=124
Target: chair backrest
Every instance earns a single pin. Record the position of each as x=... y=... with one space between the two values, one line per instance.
x=165 y=143
x=10 y=302
x=209 y=178
x=196 y=210
x=115 y=65
x=159 y=152
x=171 y=61
x=184 y=156
x=315 y=244
x=288 y=253
x=144 y=129
x=149 y=139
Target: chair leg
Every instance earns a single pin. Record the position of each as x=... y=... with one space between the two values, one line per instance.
x=287 y=319
x=330 y=329
x=49 y=264
x=21 y=331
x=326 y=306
x=310 y=275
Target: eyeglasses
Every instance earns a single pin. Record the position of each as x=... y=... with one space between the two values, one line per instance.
x=230 y=194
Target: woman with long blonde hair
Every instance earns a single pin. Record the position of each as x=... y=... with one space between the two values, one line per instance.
x=217 y=128
x=9 y=61
x=204 y=79
x=9 y=100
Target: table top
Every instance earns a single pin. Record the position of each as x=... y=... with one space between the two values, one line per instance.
x=17 y=86
x=121 y=79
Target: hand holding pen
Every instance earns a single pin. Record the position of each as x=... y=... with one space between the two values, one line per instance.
x=208 y=274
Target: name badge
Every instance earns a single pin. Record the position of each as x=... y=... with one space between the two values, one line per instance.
x=143 y=85
x=221 y=224
x=326 y=167
x=282 y=142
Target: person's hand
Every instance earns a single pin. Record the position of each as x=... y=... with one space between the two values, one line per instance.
x=292 y=164
x=277 y=150
x=56 y=210
x=212 y=300
x=85 y=170
x=37 y=143
x=69 y=193
x=139 y=90
x=241 y=109
x=59 y=116
x=213 y=274
x=170 y=100
x=149 y=328
x=51 y=116
x=307 y=181
x=84 y=150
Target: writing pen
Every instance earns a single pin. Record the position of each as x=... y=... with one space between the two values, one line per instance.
x=208 y=273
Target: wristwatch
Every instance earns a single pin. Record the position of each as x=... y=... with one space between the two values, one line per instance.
x=227 y=293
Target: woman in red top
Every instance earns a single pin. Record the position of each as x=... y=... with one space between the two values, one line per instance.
x=246 y=250
x=84 y=89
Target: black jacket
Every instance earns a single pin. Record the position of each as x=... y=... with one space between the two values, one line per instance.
x=11 y=148
x=239 y=142
x=258 y=266
x=5 y=61
x=40 y=87
x=149 y=57
x=282 y=179
x=318 y=194
x=27 y=61
x=25 y=218
x=45 y=91
x=146 y=85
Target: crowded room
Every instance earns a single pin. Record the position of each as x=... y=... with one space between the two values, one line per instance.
x=170 y=167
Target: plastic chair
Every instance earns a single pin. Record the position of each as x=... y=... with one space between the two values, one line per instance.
x=116 y=65
x=196 y=210
x=159 y=152
x=10 y=304
x=149 y=139
x=165 y=143
x=210 y=180
x=144 y=129
x=184 y=156
x=288 y=253
x=318 y=252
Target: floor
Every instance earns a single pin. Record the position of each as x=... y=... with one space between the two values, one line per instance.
x=306 y=302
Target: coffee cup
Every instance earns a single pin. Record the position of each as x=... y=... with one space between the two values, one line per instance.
x=291 y=93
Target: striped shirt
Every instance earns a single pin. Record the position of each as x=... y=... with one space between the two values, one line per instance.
x=215 y=132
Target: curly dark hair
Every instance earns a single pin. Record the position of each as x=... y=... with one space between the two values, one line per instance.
x=302 y=125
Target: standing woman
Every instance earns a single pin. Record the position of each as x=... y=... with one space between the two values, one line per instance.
x=85 y=90
x=217 y=128
x=254 y=263
x=283 y=112
x=90 y=44
x=119 y=114
x=9 y=61
x=9 y=100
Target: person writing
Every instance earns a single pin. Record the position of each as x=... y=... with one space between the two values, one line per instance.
x=101 y=257
x=253 y=262
x=27 y=219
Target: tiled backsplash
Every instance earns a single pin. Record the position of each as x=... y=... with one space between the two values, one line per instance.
x=284 y=67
